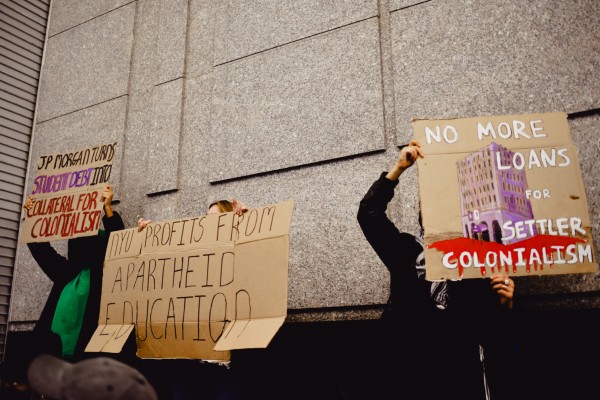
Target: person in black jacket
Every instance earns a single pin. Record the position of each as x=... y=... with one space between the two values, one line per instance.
x=71 y=313
x=448 y=339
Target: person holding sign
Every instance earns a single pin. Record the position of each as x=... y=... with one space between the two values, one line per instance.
x=438 y=330
x=70 y=315
x=216 y=207
x=219 y=380
x=223 y=206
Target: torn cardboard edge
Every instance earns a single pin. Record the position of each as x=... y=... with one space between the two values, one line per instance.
x=240 y=334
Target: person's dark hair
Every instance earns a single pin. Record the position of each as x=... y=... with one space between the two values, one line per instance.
x=224 y=205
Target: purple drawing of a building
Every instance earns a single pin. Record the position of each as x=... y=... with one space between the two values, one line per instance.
x=491 y=196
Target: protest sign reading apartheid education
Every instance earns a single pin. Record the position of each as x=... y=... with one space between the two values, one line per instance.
x=502 y=194
x=67 y=194
x=197 y=287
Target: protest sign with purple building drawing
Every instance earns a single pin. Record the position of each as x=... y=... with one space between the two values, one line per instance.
x=502 y=194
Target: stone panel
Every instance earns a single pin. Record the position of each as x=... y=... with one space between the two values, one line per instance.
x=87 y=65
x=584 y=131
x=159 y=43
x=69 y=13
x=162 y=208
x=310 y=101
x=200 y=49
x=194 y=187
x=494 y=57
x=144 y=65
x=163 y=139
x=331 y=264
x=170 y=46
x=134 y=175
x=246 y=27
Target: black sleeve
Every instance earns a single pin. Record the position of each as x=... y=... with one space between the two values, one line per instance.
x=59 y=268
x=112 y=224
x=398 y=250
x=55 y=266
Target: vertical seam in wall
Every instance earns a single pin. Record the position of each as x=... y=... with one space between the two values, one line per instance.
x=389 y=97
x=213 y=21
x=136 y=21
x=212 y=82
x=387 y=76
x=183 y=93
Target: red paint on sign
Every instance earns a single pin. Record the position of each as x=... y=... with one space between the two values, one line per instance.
x=535 y=251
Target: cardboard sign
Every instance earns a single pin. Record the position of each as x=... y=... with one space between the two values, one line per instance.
x=502 y=194
x=67 y=191
x=197 y=287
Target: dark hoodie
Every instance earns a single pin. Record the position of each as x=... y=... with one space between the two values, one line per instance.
x=436 y=332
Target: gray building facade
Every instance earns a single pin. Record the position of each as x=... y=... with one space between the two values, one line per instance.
x=306 y=100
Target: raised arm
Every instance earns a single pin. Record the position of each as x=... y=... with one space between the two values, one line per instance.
x=408 y=156
x=55 y=266
x=111 y=220
x=398 y=250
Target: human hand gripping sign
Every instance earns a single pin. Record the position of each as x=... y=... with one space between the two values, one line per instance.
x=505 y=288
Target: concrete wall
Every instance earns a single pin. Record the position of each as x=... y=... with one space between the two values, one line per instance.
x=305 y=100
